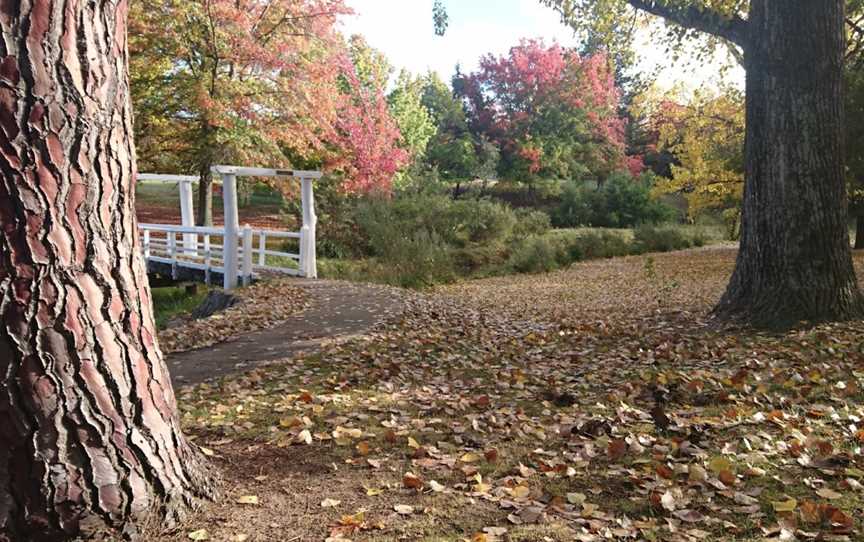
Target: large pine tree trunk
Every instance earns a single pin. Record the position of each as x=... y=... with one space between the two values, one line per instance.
x=89 y=432
x=795 y=261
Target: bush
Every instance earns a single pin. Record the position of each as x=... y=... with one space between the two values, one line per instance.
x=531 y=222
x=653 y=239
x=416 y=261
x=593 y=245
x=456 y=223
x=621 y=202
x=537 y=254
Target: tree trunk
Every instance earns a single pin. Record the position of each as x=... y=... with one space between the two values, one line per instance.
x=795 y=261
x=90 y=438
x=859 y=230
x=205 y=196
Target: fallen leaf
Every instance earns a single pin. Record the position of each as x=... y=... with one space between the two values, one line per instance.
x=470 y=457
x=200 y=534
x=616 y=449
x=404 y=509
x=788 y=505
x=830 y=494
x=576 y=498
x=304 y=437
x=411 y=481
x=668 y=501
x=436 y=487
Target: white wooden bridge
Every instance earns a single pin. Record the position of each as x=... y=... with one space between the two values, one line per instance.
x=231 y=253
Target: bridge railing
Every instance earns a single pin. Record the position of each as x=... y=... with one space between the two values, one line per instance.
x=203 y=249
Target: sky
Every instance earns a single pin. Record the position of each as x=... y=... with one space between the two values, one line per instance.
x=403 y=31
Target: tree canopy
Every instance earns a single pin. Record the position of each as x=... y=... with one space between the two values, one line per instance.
x=552 y=112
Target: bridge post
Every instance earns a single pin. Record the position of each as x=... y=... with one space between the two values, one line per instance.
x=308 y=262
x=232 y=230
x=187 y=218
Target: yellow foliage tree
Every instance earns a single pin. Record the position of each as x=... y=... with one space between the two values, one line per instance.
x=706 y=136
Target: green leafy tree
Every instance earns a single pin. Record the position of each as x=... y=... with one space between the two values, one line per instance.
x=371 y=66
x=414 y=120
x=453 y=151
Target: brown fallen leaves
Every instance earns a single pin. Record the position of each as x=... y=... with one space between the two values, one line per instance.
x=262 y=305
x=452 y=399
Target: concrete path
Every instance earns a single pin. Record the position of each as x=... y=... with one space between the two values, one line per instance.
x=337 y=310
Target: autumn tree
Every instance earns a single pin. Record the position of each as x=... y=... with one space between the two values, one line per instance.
x=706 y=136
x=552 y=112
x=365 y=150
x=238 y=81
x=90 y=434
x=794 y=261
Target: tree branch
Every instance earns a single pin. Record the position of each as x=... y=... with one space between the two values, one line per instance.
x=733 y=29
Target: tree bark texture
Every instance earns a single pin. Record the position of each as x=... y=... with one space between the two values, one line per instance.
x=89 y=432
x=205 y=197
x=795 y=261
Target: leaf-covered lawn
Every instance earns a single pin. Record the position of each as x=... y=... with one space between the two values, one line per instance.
x=594 y=403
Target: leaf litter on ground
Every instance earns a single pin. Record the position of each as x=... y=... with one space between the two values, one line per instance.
x=457 y=405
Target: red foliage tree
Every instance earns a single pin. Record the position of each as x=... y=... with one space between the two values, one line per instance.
x=366 y=142
x=552 y=112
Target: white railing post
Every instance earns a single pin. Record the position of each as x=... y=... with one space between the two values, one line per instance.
x=308 y=262
x=232 y=227
x=187 y=218
x=207 y=259
x=262 y=248
x=146 y=244
x=247 y=255
x=172 y=252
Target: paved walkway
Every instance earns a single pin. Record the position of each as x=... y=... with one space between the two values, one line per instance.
x=337 y=310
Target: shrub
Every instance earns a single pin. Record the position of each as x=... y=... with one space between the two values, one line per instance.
x=531 y=222
x=456 y=223
x=416 y=261
x=653 y=239
x=536 y=254
x=621 y=202
x=480 y=221
x=592 y=245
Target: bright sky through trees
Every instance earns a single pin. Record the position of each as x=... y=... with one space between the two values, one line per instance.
x=402 y=30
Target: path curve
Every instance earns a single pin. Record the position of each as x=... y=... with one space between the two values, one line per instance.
x=337 y=310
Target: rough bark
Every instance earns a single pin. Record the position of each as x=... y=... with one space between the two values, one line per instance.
x=795 y=262
x=205 y=197
x=89 y=433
